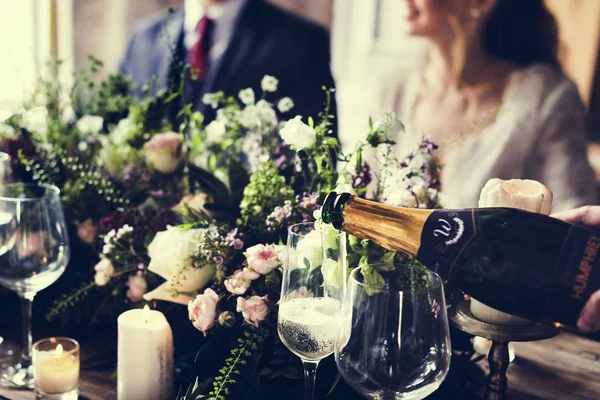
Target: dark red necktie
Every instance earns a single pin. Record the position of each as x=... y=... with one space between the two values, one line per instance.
x=199 y=57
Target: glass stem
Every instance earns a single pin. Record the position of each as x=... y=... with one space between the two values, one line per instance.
x=310 y=377
x=26 y=302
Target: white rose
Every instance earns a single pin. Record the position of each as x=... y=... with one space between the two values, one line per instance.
x=215 y=131
x=35 y=120
x=121 y=132
x=169 y=252
x=269 y=83
x=286 y=104
x=247 y=96
x=297 y=134
x=332 y=274
x=90 y=124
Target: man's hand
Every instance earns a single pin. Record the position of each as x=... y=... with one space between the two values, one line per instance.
x=589 y=319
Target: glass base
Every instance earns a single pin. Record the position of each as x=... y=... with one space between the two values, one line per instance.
x=7 y=351
x=71 y=395
x=17 y=376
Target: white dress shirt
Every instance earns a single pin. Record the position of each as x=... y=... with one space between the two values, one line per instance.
x=224 y=15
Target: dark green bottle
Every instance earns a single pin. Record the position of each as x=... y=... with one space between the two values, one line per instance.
x=522 y=263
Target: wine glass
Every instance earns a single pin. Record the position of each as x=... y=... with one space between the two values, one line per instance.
x=7 y=349
x=394 y=341
x=314 y=281
x=34 y=251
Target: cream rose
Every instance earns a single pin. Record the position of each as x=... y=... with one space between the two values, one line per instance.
x=297 y=134
x=202 y=310
x=164 y=151
x=169 y=253
x=254 y=309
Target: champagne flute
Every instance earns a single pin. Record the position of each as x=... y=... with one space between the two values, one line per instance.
x=394 y=340
x=34 y=251
x=313 y=287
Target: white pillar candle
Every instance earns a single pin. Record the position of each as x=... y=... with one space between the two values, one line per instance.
x=55 y=369
x=145 y=356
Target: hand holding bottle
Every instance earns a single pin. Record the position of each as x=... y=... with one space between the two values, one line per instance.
x=589 y=319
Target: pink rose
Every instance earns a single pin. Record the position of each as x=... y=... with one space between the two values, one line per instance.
x=262 y=259
x=250 y=274
x=254 y=309
x=240 y=281
x=164 y=151
x=237 y=284
x=104 y=271
x=203 y=310
x=137 y=288
x=87 y=231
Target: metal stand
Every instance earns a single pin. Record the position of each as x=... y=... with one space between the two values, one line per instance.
x=500 y=335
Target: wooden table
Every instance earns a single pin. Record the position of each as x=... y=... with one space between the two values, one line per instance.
x=562 y=368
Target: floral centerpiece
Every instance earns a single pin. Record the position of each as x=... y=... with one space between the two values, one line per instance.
x=193 y=213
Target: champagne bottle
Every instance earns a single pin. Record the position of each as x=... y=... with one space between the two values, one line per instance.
x=522 y=263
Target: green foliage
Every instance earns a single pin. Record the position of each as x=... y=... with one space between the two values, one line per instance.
x=266 y=190
x=248 y=344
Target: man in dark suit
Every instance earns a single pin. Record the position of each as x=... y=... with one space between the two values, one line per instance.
x=231 y=45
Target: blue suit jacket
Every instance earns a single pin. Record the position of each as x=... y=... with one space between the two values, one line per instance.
x=267 y=40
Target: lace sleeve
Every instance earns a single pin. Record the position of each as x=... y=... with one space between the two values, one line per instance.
x=561 y=161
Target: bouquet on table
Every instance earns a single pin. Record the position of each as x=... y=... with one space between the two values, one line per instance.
x=197 y=213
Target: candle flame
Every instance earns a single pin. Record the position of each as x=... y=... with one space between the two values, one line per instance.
x=146 y=312
x=59 y=350
x=558 y=325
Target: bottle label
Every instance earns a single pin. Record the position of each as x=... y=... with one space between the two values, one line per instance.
x=448 y=233
x=578 y=275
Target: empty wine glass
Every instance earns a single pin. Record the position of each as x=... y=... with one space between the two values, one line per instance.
x=311 y=295
x=394 y=340
x=34 y=252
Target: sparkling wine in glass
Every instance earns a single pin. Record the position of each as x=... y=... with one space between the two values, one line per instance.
x=35 y=252
x=394 y=340
x=312 y=291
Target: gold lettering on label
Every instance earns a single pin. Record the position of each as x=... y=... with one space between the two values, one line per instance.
x=585 y=268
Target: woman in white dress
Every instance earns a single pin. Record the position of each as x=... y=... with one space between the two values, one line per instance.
x=493 y=97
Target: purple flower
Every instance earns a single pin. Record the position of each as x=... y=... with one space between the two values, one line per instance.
x=363 y=178
x=218 y=260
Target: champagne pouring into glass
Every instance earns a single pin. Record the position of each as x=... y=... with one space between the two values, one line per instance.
x=311 y=295
x=35 y=253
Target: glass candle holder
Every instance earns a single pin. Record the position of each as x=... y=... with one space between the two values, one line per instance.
x=56 y=369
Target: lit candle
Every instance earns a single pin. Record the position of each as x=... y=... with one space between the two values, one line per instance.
x=145 y=356
x=56 y=366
